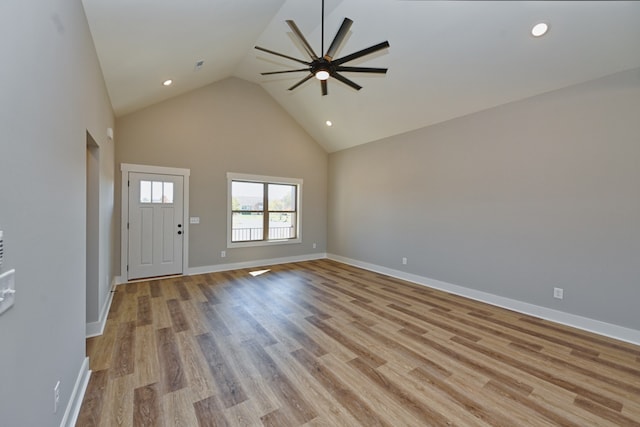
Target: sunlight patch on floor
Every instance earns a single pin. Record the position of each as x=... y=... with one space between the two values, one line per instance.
x=259 y=272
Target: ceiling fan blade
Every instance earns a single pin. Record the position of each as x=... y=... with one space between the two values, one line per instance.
x=361 y=53
x=338 y=39
x=301 y=81
x=282 y=72
x=362 y=70
x=300 y=36
x=346 y=81
x=323 y=85
x=282 y=55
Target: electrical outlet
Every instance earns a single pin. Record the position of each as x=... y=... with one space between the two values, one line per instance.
x=223 y=254
x=558 y=293
x=56 y=397
x=314 y=246
x=404 y=260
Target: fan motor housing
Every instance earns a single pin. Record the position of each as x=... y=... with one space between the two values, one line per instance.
x=322 y=64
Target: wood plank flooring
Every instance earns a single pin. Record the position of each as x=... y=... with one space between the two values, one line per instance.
x=321 y=343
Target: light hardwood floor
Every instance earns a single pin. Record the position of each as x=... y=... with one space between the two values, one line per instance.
x=321 y=343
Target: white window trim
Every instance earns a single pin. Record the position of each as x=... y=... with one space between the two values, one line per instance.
x=232 y=176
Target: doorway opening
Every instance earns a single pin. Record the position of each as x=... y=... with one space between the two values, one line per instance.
x=92 y=230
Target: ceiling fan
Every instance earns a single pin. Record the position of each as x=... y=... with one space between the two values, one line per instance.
x=323 y=67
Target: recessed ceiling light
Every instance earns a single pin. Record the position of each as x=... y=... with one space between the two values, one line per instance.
x=167 y=82
x=539 y=29
x=329 y=123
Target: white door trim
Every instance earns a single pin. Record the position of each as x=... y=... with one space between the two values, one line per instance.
x=125 y=168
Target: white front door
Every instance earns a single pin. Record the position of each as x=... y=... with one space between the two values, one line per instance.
x=155 y=227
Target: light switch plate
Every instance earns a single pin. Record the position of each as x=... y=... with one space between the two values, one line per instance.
x=194 y=220
x=7 y=290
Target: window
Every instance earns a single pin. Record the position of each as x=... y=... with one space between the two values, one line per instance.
x=263 y=210
x=156 y=192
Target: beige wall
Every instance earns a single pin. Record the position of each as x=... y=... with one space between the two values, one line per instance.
x=53 y=93
x=512 y=201
x=229 y=126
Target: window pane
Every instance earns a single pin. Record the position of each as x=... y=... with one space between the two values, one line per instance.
x=282 y=197
x=263 y=211
x=246 y=226
x=156 y=192
x=145 y=191
x=247 y=196
x=167 y=192
x=282 y=226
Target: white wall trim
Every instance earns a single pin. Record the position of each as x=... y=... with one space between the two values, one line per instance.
x=161 y=170
x=125 y=168
x=251 y=264
x=119 y=280
x=596 y=326
x=77 y=394
x=97 y=328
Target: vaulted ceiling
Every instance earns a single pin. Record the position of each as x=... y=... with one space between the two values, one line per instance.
x=446 y=58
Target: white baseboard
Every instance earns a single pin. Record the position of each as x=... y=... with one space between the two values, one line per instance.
x=97 y=328
x=77 y=394
x=251 y=264
x=119 y=280
x=596 y=326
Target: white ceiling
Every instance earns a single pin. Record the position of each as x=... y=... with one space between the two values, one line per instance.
x=447 y=58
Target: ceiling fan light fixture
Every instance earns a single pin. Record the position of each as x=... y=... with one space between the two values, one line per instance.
x=322 y=74
x=540 y=29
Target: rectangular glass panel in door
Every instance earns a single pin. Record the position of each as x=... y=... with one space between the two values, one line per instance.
x=167 y=192
x=145 y=191
x=156 y=192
